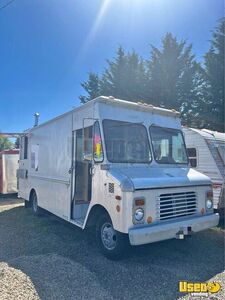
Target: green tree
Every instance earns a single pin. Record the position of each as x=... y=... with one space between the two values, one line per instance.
x=214 y=76
x=172 y=76
x=92 y=87
x=114 y=78
x=5 y=143
x=124 y=77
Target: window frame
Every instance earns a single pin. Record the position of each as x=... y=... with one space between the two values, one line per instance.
x=172 y=129
x=127 y=162
x=25 y=152
x=193 y=157
x=93 y=131
x=24 y=147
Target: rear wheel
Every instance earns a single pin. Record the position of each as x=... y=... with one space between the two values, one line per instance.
x=34 y=204
x=110 y=242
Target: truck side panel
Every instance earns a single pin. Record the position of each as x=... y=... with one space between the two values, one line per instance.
x=49 y=161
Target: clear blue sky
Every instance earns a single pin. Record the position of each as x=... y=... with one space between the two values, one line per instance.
x=47 y=47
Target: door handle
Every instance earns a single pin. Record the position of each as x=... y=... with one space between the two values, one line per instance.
x=92 y=170
x=71 y=169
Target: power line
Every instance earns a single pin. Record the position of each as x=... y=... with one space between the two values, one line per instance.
x=7 y=4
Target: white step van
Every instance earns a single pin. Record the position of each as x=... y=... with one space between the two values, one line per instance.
x=120 y=166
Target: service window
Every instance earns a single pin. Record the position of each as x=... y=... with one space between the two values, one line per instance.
x=192 y=154
x=24 y=147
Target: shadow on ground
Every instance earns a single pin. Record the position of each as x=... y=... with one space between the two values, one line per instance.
x=64 y=263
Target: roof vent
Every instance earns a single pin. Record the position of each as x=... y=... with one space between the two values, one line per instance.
x=36 y=118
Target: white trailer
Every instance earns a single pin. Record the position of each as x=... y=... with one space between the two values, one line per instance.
x=8 y=166
x=206 y=151
x=119 y=166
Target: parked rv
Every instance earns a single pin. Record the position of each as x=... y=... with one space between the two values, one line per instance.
x=119 y=166
x=8 y=166
x=206 y=151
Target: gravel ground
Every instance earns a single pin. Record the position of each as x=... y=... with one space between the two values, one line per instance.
x=47 y=258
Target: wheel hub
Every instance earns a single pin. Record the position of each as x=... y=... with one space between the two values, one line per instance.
x=108 y=236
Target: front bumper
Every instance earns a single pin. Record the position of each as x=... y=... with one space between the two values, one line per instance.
x=160 y=232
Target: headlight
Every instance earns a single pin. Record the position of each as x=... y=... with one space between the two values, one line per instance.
x=209 y=204
x=209 y=199
x=139 y=214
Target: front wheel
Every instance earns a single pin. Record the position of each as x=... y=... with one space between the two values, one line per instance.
x=34 y=204
x=111 y=242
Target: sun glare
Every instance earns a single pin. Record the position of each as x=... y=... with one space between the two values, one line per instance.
x=97 y=23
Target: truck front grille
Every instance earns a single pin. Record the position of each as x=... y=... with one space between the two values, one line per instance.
x=176 y=205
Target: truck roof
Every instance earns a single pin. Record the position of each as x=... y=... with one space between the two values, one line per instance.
x=139 y=106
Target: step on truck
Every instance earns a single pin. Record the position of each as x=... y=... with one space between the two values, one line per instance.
x=119 y=166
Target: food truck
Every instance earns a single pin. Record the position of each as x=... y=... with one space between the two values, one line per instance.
x=119 y=166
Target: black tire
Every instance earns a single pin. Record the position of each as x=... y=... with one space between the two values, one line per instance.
x=27 y=204
x=34 y=204
x=113 y=247
x=221 y=212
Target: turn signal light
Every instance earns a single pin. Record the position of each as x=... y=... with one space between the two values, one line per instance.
x=139 y=202
x=209 y=194
x=149 y=220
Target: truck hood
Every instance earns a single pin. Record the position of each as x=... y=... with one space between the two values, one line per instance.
x=138 y=178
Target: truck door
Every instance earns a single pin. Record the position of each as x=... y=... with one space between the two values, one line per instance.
x=23 y=185
x=83 y=178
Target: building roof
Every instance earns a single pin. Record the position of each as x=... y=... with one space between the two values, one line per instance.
x=10 y=151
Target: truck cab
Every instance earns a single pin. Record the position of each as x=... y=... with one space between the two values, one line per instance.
x=142 y=177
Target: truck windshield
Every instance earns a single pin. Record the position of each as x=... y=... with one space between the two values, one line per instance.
x=168 y=145
x=126 y=142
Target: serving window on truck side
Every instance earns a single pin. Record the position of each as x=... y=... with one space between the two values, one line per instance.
x=24 y=147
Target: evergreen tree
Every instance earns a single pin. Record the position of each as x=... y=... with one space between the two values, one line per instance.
x=172 y=72
x=214 y=76
x=114 y=79
x=125 y=78
x=171 y=78
x=92 y=87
